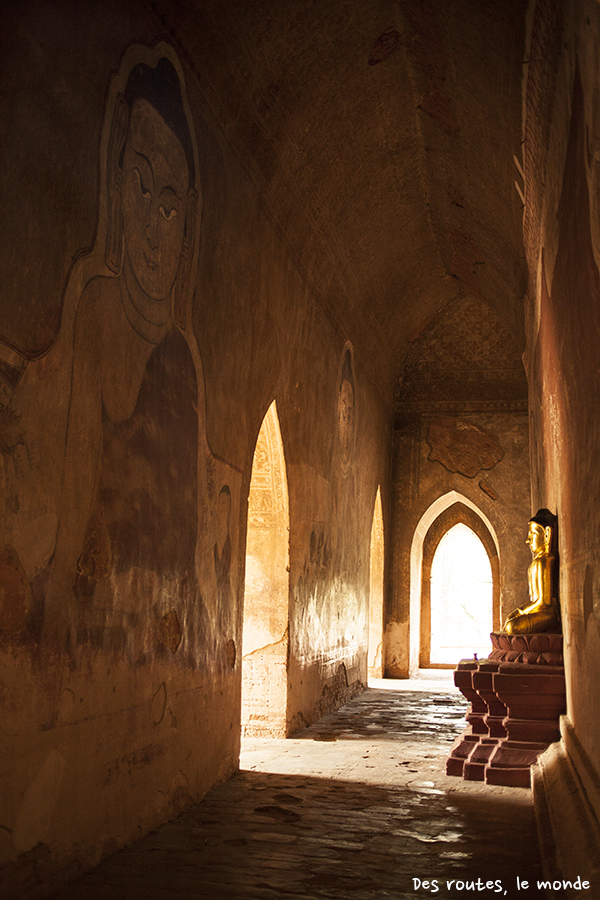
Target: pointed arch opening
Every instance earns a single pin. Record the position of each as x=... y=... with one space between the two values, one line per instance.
x=266 y=595
x=460 y=599
x=448 y=511
x=375 y=656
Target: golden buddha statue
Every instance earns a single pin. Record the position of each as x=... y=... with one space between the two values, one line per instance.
x=542 y=612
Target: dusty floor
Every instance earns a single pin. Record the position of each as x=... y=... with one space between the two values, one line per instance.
x=358 y=806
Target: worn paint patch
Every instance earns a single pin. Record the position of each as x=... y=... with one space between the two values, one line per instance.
x=33 y=821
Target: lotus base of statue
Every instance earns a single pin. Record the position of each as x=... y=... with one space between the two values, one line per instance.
x=545 y=649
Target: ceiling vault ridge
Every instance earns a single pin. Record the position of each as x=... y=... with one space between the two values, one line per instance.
x=415 y=77
x=304 y=195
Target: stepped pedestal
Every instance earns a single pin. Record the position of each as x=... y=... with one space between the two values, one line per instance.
x=483 y=684
x=517 y=696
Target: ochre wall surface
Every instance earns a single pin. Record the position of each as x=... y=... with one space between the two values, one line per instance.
x=562 y=239
x=151 y=312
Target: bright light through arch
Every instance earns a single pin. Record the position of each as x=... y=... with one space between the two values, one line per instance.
x=461 y=598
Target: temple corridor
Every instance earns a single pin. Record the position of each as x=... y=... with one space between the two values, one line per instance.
x=292 y=294
x=355 y=806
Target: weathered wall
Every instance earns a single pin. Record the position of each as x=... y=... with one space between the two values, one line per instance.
x=151 y=312
x=332 y=497
x=460 y=429
x=562 y=237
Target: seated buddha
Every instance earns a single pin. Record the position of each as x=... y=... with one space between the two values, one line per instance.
x=542 y=613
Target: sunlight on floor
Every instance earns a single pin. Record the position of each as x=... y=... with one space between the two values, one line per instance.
x=425 y=680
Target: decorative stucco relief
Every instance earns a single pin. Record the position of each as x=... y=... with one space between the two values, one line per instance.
x=463 y=447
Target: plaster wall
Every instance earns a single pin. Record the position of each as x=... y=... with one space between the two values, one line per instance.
x=562 y=229
x=120 y=611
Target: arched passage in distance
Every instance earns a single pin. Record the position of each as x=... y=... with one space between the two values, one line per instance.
x=266 y=595
x=456 y=599
x=375 y=657
x=446 y=511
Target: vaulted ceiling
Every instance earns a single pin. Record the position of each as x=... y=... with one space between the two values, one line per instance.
x=382 y=137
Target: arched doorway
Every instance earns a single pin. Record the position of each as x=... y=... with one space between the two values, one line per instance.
x=375 y=656
x=460 y=600
x=266 y=596
x=443 y=514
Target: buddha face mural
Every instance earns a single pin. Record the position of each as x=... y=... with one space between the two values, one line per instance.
x=155 y=192
x=135 y=368
x=153 y=202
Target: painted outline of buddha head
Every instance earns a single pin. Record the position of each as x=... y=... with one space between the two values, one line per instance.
x=346 y=413
x=153 y=203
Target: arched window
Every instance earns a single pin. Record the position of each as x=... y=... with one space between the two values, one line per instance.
x=461 y=598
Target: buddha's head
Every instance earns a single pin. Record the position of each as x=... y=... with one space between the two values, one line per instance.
x=541 y=533
x=155 y=181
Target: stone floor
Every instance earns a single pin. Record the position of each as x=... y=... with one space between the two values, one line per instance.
x=357 y=806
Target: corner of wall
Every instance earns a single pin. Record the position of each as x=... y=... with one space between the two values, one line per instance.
x=566 y=798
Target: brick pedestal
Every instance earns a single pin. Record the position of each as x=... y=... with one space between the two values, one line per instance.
x=496 y=711
x=517 y=696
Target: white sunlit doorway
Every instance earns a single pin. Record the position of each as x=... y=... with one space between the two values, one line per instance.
x=459 y=592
